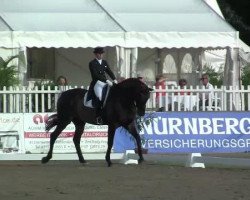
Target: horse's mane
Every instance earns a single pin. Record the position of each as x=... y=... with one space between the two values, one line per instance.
x=130 y=82
x=127 y=90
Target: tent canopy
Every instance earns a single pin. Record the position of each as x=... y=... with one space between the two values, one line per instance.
x=90 y=23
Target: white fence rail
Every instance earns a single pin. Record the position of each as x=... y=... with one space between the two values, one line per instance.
x=28 y=100
x=194 y=99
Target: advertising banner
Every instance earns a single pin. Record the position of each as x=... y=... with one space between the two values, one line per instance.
x=94 y=138
x=11 y=133
x=191 y=132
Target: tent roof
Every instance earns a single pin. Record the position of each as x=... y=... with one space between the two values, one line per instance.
x=90 y=23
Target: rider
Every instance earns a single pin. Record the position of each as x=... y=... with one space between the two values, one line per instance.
x=98 y=69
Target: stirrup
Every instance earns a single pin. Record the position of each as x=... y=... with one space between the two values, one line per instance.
x=99 y=120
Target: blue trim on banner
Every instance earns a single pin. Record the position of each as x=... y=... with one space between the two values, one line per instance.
x=190 y=132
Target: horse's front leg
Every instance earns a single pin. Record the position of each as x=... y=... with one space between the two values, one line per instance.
x=111 y=134
x=77 y=140
x=132 y=130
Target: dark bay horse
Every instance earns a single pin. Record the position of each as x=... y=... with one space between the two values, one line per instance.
x=126 y=100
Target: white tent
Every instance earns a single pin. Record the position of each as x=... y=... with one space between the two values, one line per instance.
x=135 y=28
x=88 y=23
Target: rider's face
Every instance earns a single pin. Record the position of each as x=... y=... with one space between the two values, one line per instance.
x=99 y=56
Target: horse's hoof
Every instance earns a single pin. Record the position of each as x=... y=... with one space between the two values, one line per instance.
x=109 y=164
x=84 y=162
x=45 y=160
x=140 y=160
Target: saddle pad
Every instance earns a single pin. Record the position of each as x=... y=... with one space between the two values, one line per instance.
x=87 y=103
x=106 y=95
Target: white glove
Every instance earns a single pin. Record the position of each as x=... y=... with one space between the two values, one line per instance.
x=115 y=81
x=109 y=83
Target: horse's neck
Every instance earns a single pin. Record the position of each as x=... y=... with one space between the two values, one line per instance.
x=122 y=93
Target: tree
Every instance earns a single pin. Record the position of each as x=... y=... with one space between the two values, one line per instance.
x=246 y=82
x=215 y=77
x=237 y=14
x=8 y=72
x=246 y=75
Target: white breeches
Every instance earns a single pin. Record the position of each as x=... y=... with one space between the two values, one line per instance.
x=98 y=89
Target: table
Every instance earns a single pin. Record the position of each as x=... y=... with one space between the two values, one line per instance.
x=186 y=102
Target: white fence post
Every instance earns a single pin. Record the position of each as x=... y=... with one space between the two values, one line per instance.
x=24 y=101
x=4 y=100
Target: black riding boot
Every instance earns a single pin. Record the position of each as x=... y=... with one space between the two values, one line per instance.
x=99 y=120
x=99 y=113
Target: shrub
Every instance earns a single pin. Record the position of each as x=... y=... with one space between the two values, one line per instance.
x=8 y=73
x=214 y=76
x=246 y=75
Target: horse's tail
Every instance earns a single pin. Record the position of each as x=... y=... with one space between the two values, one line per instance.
x=51 y=122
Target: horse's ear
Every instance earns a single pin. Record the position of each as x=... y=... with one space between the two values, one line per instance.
x=150 y=89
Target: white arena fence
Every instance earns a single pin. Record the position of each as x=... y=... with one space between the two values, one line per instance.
x=32 y=100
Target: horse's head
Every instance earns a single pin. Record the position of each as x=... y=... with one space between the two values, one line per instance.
x=136 y=92
x=141 y=98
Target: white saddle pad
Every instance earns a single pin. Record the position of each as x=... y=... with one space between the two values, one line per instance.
x=87 y=103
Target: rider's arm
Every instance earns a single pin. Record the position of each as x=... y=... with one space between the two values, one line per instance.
x=109 y=72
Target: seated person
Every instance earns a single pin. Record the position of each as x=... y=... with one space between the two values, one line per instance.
x=160 y=84
x=182 y=84
x=61 y=81
x=208 y=95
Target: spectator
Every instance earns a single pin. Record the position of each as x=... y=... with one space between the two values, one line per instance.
x=61 y=81
x=208 y=95
x=160 y=83
x=182 y=84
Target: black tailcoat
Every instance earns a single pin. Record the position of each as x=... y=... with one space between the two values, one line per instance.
x=98 y=72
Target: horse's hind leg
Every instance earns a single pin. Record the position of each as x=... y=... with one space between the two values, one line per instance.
x=77 y=139
x=111 y=134
x=132 y=130
x=53 y=138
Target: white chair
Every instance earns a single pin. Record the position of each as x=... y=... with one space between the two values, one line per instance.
x=214 y=107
